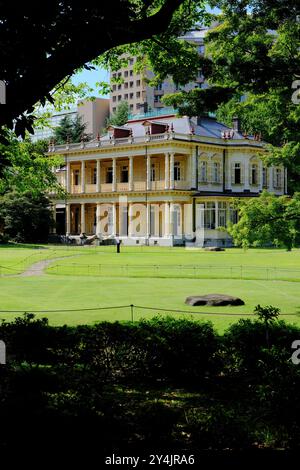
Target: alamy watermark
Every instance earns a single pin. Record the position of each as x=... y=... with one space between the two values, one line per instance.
x=296 y=354
x=2 y=352
x=2 y=92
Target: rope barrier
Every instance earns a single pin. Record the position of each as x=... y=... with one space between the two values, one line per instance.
x=131 y=306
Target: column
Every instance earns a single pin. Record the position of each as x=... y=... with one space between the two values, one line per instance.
x=82 y=215
x=114 y=175
x=270 y=178
x=130 y=173
x=167 y=219
x=216 y=214
x=83 y=176
x=247 y=175
x=193 y=170
x=54 y=218
x=98 y=219
x=167 y=171
x=148 y=168
x=114 y=219
x=68 y=178
x=171 y=220
x=148 y=206
x=260 y=175
x=68 y=219
x=98 y=177
x=130 y=211
x=172 y=171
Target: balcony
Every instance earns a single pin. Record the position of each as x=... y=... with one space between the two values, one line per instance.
x=90 y=188
x=106 y=187
x=182 y=184
x=122 y=186
x=76 y=189
x=139 y=186
x=157 y=185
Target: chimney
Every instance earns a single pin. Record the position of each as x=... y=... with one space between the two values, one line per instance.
x=236 y=124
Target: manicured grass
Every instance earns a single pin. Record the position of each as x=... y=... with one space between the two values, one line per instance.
x=15 y=259
x=82 y=291
x=184 y=263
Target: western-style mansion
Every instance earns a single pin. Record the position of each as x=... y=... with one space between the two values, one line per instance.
x=163 y=180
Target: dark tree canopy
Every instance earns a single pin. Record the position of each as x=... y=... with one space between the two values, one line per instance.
x=41 y=46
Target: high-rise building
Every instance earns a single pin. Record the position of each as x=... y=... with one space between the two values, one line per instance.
x=93 y=114
x=135 y=89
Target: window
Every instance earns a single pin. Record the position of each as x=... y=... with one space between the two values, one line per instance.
x=254 y=174
x=177 y=171
x=131 y=84
x=109 y=175
x=114 y=87
x=131 y=96
x=119 y=97
x=126 y=73
x=156 y=99
x=114 y=98
x=114 y=109
x=94 y=181
x=158 y=87
x=152 y=172
x=216 y=172
x=114 y=75
x=131 y=61
x=126 y=85
x=277 y=182
x=119 y=74
x=126 y=96
x=237 y=174
x=233 y=215
x=119 y=86
x=203 y=172
x=222 y=210
x=131 y=73
x=138 y=94
x=131 y=107
x=138 y=83
x=265 y=177
x=76 y=178
x=124 y=174
x=210 y=215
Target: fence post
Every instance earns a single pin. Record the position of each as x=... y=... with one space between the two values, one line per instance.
x=132 y=312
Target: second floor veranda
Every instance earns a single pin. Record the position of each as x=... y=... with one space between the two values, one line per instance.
x=133 y=173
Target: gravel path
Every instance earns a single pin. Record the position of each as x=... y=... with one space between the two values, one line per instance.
x=37 y=269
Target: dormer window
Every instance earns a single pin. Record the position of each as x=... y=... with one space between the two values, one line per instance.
x=119 y=132
x=155 y=127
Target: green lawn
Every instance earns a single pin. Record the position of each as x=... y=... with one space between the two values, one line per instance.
x=165 y=287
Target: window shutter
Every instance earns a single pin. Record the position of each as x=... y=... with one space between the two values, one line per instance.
x=242 y=173
x=209 y=171
x=250 y=174
x=232 y=173
x=258 y=175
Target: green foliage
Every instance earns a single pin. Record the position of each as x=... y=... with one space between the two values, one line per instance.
x=267 y=314
x=27 y=168
x=120 y=117
x=72 y=130
x=52 y=38
x=95 y=375
x=25 y=217
x=267 y=220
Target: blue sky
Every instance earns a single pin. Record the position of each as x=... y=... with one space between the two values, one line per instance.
x=91 y=77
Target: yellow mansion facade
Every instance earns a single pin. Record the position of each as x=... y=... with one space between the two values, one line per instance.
x=161 y=181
